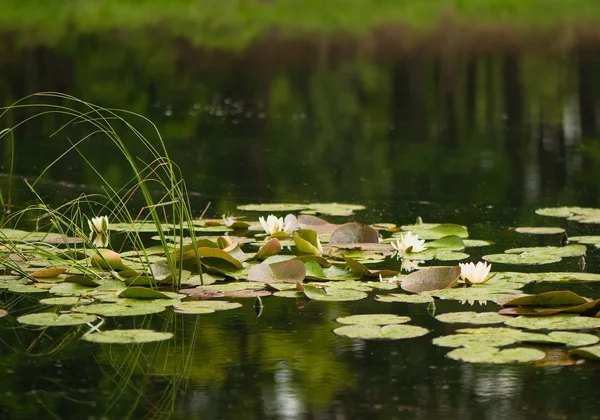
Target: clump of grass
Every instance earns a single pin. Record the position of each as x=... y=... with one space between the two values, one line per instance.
x=157 y=179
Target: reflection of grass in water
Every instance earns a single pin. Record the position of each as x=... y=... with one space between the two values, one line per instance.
x=235 y=24
x=159 y=173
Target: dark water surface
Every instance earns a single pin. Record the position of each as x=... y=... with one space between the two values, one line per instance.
x=479 y=138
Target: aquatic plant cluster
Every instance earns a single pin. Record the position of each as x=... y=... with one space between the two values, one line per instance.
x=304 y=256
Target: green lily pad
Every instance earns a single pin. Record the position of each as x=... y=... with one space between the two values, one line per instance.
x=137 y=292
x=482 y=354
x=572 y=339
x=555 y=322
x=540 y=230
x=292 y=271
x=113 y=309
x=333 y=209
x=363 y=271
x=82 y=280
x=590 y=353
x=404 y=298
x=204 y=306
x=48 y=272
x=473 y=318
x=384 y=332
x=107 y=260
x=373 y=319
x=230 y=287
x=452 y=242
x=436 y=231
x=433 y=278
x=289 y=294
x=276 y=207
x=50 y=319
x=522 y=259
x=127 y=336
x=138 y=227
x=554 y=212
x=307 y=241
x=65 y=301
x=475 y=243
x=475 y=340
x=333 y=294
x=472 y=293
x=314 y=271
x=25 y=288
x=70 y=289
x=573 y=250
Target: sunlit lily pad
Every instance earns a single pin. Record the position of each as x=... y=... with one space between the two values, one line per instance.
x=276 y=207
x=384 y=332
x=333 y=294
x=289 y=294
x=107 y=259
x=25 y=288
x=434 y=278
x=554 y=212
x=472 y=293
x=436 y=231
x=540 y=230
x=292 y=271
x=204 y=306
x=573 y=250
x=475 y=340
x=113 y=309
x=138 y=227
x=404 y=298
x=137 y=292
x=473 y=318
x=475 y=243
x=572 y=339
x=48 y=272
x=272 y=247
x=553 y=298
x=70 y=289
x=555 y=322
x=137 y=336
x=66 y=301
x=482 y=354
x=591 y=353
x=373 y=319
x=452 y=242
x=50 y=319
x=333 y=209
x=522 y=259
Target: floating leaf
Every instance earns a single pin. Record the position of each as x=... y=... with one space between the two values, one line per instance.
x=522 y=259
x=107 y=260
x=50 y=319
x=137 y=292
x=554 y=212
x=137 y=336
x=472 y=293
x=113 y=309
x=473 y=318
x=70 y=289
x=404 y=298
x=452 y=242
x=554 y=298
x=350 y=233
x=363 y=271
x=477 y=340
x=22 y=288
x=591 y=353
x=373 y=319
x=293 y=271
x=332 y=209
x=272 y=247
x=555 y=322
x=385 y=332
x=275 y=207
x=204 y=306
x=307 y=241
x=540 y=230
x=289 y=294
x=433 y=278
x=572 y=339
x=558 y=251
x=481 y=354
x=48 y=272
x=314 y=271
x=138 y=227
x=472 y=243
x=82 y=280
x=65 y=301
x=333 y=294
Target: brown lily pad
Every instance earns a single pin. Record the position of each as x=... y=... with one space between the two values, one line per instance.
x=434 y=278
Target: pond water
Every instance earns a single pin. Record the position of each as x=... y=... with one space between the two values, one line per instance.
x=474 y=136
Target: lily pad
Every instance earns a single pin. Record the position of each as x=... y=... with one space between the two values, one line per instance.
x=137 y=336
x=113 y=309
x=384 y=332
x=26 y=288
x=554 y=298
x=373 y=319
x=590 y=353
x=275 y=207
x=137 y=292
x=475 y=340
x=333 y=294
x=363 y=271
x=434 y=278
x=48 y=272
x=404 y=298
x=540 y=230
x=522 y=259
x=272 y=247
x=204 y=306
x=307 y=241
x=555 y=322
x=292 y=271
x=451 y=242
x=50 y=319
x=138 y=227
x=289 y=294
x=350 y=233
x=482 y=354
x=65 y=301
x=108 y=260
x=473 y=318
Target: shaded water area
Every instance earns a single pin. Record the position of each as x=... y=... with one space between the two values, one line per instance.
x=451 y=130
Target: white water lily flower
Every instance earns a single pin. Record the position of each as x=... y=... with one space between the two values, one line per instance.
x=98 y=224
x=275 y=224
x=409 y=243
x=474 y=274
x=410 y=265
